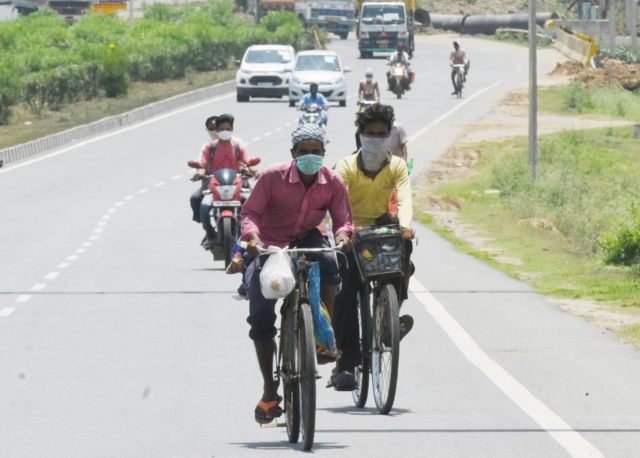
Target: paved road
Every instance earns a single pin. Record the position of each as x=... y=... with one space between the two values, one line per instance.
x=120 y=338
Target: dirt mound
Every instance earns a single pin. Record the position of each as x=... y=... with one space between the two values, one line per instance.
x=612 y=71
x=486 y=6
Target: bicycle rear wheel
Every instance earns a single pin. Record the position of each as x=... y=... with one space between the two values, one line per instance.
x=385 y=354
x=289 y=348
x=364 y=367
x=306 y=375
x=458 y=79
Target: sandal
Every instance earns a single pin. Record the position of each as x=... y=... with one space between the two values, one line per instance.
x=324 y=356
x=266 y=412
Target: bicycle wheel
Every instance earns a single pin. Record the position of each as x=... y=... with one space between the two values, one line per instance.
x=306 y=375
x=288 y=346
x=385 y=353
x=363 y=368
x=458 y=79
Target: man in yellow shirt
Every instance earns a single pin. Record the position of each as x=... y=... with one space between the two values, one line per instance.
x=371 y=176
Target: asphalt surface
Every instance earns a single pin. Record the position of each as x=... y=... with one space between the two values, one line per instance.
x=119 y=337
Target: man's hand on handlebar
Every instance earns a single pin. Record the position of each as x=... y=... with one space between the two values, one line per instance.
x=199 y=175
x=254 y=243
x=408 y=233
x=345 y=240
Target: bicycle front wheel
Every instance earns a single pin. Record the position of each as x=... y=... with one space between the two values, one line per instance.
x=385 y=354
x=289 y=348
x=364 y=367
x=306 y=375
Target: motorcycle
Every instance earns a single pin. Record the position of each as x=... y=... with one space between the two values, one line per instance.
x=364 y=104
x=398 y=79
x=230 y=190
x=311 y=115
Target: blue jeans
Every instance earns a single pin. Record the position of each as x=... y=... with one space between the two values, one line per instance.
x=205 y=208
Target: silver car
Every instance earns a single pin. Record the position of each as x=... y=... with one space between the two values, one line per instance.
x=265 y=71
x=322 y=67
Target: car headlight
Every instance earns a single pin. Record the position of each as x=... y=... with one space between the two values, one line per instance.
x=245 y=72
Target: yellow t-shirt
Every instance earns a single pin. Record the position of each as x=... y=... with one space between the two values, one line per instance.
x=369 y=197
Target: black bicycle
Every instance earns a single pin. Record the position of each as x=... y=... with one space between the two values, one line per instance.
x=296 y=355
x=458 y=79
x=380 y=255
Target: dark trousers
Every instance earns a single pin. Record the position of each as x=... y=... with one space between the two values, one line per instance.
x=195 y=200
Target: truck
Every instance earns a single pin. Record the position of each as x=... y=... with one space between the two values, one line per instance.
x=332 y=16
x=259 y=8
x=382 y=24
x=71 y=10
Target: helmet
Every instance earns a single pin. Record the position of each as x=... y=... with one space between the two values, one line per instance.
x=368 y=73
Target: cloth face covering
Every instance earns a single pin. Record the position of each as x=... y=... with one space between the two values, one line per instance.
x=375 y=151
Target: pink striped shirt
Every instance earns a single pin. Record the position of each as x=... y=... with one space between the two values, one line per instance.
x=281 y=208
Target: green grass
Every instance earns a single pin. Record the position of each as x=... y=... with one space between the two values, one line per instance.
x=586 y=181
x=26 y=126
x=578 y=98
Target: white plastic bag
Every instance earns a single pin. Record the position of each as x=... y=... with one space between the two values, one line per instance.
x=277 y=279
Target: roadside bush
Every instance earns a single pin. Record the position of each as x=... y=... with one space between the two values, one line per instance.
x=114 y=79
x=577 y=98
x=621 y=246
x=625 y=54
x=9 y=91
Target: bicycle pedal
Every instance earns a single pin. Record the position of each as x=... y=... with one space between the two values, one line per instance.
x=272 y=424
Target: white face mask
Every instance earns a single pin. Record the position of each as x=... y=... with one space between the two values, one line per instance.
x=224 y=135
x=375 y=151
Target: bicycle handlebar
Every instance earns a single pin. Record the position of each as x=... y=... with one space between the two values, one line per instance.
x=335 y=249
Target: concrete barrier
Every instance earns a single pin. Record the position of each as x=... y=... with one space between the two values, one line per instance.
x=575 y=45
x=44 y=144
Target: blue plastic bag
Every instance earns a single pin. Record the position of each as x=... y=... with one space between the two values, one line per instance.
x=322 y=327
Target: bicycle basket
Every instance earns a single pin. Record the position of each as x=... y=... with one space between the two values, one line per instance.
x=380 y=252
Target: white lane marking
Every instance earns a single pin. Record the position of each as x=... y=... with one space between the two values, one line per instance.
x=51 y=275
x=106 y=217
x=113 y=210
x=288 y=124
x=255 y=139
x=98 y=230
x=94 y=237
x=118 y=204
x=117 y=132
x=129 y=197
x=73 y=257
x=548 y=420
x=174 y=178
x=160 y=183
x=87 y=244
x=102 y=223
x=38 y=287
x=23 y=298
x=278 y=129
x=142 y=191
x=266 y=134
x=7 y=311
x=64 y=265
x=444 y=116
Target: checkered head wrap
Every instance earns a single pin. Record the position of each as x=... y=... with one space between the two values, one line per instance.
x=307 y=132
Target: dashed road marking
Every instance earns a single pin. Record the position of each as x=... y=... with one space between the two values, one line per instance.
x=142 y=191
x=64 y=265
x=255 y=139
x=87 y=244
x=94 y=237
x=266 y=134
x=23 y=298
x=129 y=197
x=7 y=311
x=51 y=275
x=80 y=251
x=106 y=217
x=98 y=230
x=112 y=210
x=38 y=287
x=160 y=183
x=102 y=223
x=118 y=204
x=278 y=129
x=174 y=178
x=72 y=257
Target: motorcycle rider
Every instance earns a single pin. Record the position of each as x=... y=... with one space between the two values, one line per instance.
x=197 y=196
x=458 y=57
x=368 y=89
x=371 y=177
x=313 y=96
x=400 y=56
x=288 y=203
x=226 y=152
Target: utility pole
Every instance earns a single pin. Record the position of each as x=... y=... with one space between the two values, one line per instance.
x=611 y=17
x=533 y=89
x=131 y=14
x=633 y=25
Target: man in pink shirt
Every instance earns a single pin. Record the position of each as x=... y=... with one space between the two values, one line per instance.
x=287 y=204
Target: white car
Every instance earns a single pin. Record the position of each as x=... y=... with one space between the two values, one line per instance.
x=265 y=71
x=322 y=67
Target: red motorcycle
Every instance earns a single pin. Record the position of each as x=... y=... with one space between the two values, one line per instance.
x=230 y=190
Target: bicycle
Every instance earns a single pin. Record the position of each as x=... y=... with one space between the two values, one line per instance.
x=458 y=79
x=380 y=256
x=296 y=350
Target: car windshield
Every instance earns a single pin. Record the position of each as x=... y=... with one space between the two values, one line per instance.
x=383 y=14
x=267 y=56
x=326 y=63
